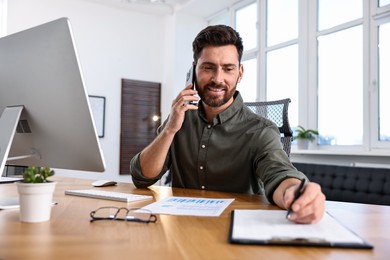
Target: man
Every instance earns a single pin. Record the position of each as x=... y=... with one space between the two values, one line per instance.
x=220 y=144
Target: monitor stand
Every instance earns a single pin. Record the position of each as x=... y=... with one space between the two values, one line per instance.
x=8 y=123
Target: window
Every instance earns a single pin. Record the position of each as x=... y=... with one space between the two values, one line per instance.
x=340 y=87
x=248 y=84
x=331 y=58
x=281 y=54
x=246 y=25
x=340 y=72
x=282 y=78
x=384 y=2
x=3 y=8
x=379 y=78
x=384 y=82
x=282 y=21
x=335 y=12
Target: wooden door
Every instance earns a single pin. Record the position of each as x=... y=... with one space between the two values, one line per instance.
x=140 y=117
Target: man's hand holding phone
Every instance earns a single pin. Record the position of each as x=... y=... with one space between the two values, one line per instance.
x=191 y=80
x=180 y=105
x=190 y=96
x=159 y=148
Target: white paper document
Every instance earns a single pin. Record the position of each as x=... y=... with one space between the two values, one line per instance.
x=272 y=227
x=189 y=206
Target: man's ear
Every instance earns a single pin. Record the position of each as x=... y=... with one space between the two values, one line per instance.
x=240 y=72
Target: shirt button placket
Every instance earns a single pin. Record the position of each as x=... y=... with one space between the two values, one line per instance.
x=202 y=156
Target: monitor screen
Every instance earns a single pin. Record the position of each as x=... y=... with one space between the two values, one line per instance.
x=46 y=118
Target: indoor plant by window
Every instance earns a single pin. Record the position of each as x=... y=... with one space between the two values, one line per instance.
x=304 y=136
x=36 y=194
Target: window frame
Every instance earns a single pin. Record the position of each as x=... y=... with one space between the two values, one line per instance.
x=378 y=17
x=313 y=38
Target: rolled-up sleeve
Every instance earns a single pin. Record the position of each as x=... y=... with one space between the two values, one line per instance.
x=272 y=164
x=139 y=180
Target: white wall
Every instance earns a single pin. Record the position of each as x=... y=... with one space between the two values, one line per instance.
x=114 y=44
x=184 y=29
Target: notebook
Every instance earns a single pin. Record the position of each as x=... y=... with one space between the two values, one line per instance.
x=9 y=179
x=108 y=195
x=11 y=174
x=9 y=203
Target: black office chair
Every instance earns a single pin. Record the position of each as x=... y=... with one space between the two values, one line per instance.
x=277 y=112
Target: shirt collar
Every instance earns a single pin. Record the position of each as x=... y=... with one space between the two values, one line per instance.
x=226 y=114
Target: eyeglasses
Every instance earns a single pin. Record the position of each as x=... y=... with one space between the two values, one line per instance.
x=124 y=214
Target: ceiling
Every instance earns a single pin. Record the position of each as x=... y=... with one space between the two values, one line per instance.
x=203 y=8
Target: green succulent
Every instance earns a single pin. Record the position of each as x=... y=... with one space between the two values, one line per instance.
x=307 y=134
x=37 y=175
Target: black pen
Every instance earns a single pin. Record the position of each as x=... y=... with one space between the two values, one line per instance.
x=298 y=193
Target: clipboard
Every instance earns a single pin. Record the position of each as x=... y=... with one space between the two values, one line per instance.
x=270 y=227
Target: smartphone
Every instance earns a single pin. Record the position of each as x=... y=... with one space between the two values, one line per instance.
x=191 y=79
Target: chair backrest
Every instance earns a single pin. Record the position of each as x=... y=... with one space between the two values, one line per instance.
x=277 y=112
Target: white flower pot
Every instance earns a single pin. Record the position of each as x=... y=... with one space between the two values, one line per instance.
x=35 y=201
x=303 y=144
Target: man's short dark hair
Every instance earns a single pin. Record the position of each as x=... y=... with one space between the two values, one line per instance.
x=217 y=35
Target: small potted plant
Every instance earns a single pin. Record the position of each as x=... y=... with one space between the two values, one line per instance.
x=304 y=136
x=36 y=194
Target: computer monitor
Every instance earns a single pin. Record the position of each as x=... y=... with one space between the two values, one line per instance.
x=46 y=118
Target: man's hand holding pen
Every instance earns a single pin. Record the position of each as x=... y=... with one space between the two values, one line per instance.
x=297 y=194
x=305 y=202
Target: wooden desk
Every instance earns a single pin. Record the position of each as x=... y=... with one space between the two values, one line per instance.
x=70 y=235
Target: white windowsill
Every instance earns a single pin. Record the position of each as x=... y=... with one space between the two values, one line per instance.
x=349 y=157
x=378 y=153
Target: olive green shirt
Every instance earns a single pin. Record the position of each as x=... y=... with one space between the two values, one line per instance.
x=238 y=152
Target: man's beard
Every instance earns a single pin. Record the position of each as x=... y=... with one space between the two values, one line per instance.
x=212 y=100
